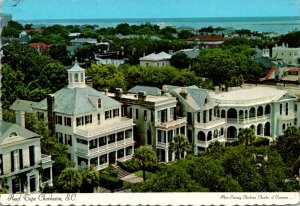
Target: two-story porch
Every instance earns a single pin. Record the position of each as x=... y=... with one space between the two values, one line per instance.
x=165 y=131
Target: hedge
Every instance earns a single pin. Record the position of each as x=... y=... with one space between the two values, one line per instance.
x=260 y=141
x=109 y=182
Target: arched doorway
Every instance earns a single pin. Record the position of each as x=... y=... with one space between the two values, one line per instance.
x=201 y=136
x=209 y=136
x=231 y=132
x=267 y=131
x=267 y=109
x=260 y=111
x=259 y=129
x=252 y=112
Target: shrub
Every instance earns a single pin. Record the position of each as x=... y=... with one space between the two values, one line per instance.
x=110 y=170
x=260 y=141
x=109 y=182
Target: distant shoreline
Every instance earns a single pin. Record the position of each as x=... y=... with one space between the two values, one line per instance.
x=281 y=25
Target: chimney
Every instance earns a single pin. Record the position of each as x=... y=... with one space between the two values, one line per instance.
x=119 y=92
x=287 y=45
x=217 y=89
x=20 y=118
x=51 y=115
x=142 y=95
x=171 y=52
x=183 y=93
x=106 y=91
x=88 y=81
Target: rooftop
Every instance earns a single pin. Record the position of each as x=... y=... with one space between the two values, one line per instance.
x=149 y=90
x=156 y=57
x=22 y=105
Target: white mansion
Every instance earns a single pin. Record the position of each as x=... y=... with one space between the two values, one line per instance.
x=21 y=162
x=88 y=122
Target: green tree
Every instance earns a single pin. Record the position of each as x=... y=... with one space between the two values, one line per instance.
x=292 y=39
x=185 y=34
x=180 y=145
x=90 y=179
x=180 y=60
x=144 y=157
x=60 y=163
x=246 y=136
x=69 y=181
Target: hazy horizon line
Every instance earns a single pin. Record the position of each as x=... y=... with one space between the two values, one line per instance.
x=133 y=18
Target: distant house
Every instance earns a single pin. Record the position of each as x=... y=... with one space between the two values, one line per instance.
x=41 y=48
x=74 y=35
x=108 y=58
x=81 y=41
x=161 y=59
x=191 y=53
x=288 y=55
x=207 y=41
x=24 y=37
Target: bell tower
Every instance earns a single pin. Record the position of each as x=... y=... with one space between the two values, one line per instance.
x=76 y=76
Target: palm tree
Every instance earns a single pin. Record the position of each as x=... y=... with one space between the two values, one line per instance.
x=246 y=136
x=3 y=186
x=179 y=145
x=69 y=180
x=90 y=179
x=144 y=156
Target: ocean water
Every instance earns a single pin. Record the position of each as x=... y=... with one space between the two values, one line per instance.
x=280 y=25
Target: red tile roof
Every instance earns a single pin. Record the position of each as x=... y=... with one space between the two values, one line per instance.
x=39 y=31
x=293 y=69
x=208 y=38
x=39 y=45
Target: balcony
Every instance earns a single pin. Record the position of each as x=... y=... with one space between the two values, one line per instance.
x=90 y=132
x=45 y=158
x=249 y=120
x=84 y=150
x=209 y=125
x=286 y=117
x=180 y=121
x=206 y=143
x=161 y=144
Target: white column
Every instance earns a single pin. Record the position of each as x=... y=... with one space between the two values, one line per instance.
x=51 y=176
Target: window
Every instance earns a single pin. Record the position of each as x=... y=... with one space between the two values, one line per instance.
x=76 y=77
x=111 y=138
x=120 y=136
x=128 y=133
x=159 y=135
x=102 y=141
x=69 y=140
x=67 y=121
x=159 y=116
x=295 y=121
x=149 y=138
x=189 y=118
x=280 y=109
x=58 y=120
x=107 y=116
x=182 y=130
x=164 y=114
x=93 y=143
x=210 y=114
x=99 y=119
x=94 y=161
x=136 y=113
x=152 y=116
x=120 y=153
x=198 y=117
x=204 y=116
x=12 y=161
x=99 y=103
x=87 y=119
x=82 y=141
x=103 y=159
x=31 y=155
x=115 y=112
x=145 y=115
x=172 y=113
x=78 y=121
x=59 y=137
x=130 y=113
x=170 y=136
x=286 y=108
x=129 y=150
x=283 y=127
x=295 y=108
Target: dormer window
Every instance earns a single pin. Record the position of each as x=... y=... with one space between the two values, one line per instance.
x=13 y=134
x=99 y=103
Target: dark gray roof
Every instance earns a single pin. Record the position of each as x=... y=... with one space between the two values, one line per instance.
x=264 y=61
x=7 y=128
x=75 y=101
x=191 y=53
x=22 y=105
x=149 y=90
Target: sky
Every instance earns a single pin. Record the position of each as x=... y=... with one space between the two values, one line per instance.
x=91 y=9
